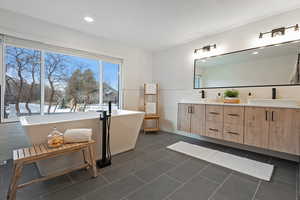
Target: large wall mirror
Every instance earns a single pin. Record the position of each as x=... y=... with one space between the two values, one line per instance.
x=276 y=65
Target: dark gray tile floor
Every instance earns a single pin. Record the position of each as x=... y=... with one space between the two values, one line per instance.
x=151 y=172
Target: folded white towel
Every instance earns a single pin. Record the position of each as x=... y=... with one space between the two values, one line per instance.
x=77 y=135
x=150 y=88
x=150 y=108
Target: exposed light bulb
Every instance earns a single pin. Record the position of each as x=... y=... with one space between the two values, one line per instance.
x=88 y=19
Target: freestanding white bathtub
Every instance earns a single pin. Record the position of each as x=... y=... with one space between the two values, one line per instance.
x=125 y=127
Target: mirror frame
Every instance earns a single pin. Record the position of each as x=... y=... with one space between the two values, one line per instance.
x=233 y=52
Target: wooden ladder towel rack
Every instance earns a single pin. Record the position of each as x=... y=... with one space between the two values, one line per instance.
x=151 y=116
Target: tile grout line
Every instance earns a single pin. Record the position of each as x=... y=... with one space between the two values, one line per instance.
x=257 y=188
x=141 y=150
x=121 y=165
x=172 y=178
x=213 y=181
x=100 y=174
x=147 y=183
x=220 y=186
x=139 y=188
x=184 y=183
x=41 y=196
x=103 y=174
x=143 y=181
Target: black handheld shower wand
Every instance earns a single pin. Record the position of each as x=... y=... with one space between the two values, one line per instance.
x=106 y=154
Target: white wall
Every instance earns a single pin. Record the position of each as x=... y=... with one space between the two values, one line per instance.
x=137 y=66
x=173 y=68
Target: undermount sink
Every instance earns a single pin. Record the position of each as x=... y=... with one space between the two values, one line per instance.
x=193 y=101
x=273 y=102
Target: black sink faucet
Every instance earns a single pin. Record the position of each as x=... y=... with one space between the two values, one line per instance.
x=273 y=93
x=202 y=94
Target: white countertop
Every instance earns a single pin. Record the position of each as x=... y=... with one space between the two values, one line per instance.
x=236 y=104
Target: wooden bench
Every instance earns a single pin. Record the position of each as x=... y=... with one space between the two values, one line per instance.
x=42 y=151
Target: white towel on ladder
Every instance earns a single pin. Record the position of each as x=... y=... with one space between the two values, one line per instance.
x=150 y=88
x=150 y=108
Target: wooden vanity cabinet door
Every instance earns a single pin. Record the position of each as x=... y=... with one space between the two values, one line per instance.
x=284 y=130
x=214 y=130
x=198 y=119
x=234 y=115
x=257 y=126
x=214 y=113
x=184 y=117
x=233 y=133
x=233 y=130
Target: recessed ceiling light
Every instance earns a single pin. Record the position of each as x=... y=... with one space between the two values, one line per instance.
x=255 y=52
x=88 y=19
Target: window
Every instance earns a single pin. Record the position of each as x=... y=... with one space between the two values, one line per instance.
x=45 y=82
x=110 y=83
x=71 y=83
x=22 y=82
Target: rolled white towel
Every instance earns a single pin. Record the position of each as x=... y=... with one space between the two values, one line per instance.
x=77 y=135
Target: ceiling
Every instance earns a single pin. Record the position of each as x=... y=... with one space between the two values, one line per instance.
x=150 y=24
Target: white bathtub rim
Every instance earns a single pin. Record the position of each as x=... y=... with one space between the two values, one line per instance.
x=24 y=122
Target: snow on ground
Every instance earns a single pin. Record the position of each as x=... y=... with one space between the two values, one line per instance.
x=36 y=108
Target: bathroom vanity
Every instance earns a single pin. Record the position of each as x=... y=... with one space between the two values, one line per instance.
x=275 y=128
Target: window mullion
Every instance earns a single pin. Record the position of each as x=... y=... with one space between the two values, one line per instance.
x=2 y=80
x=42 y=82
x=100 y=83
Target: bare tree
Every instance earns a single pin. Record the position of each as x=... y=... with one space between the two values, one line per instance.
x=55 y=67
x=34 y=70
x=20 y=61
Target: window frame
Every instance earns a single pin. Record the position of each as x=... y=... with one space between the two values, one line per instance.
x=3 y=46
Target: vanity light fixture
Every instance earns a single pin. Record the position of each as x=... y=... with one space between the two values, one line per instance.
x=206 y=48
x=279 y=31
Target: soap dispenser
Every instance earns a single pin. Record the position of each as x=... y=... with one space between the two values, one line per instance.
x=250 y=96
x=219 y=98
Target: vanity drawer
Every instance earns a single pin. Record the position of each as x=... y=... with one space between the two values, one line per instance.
x=233 y=133
x=214 y=113
x=214 y=130
x=234 y=115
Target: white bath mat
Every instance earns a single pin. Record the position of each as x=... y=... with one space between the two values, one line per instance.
x=244 y=165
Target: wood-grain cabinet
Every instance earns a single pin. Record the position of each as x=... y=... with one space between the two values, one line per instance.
x=191 y=118
x=276 y=129
x=273 y=128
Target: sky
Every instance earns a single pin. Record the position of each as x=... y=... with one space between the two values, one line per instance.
x=110 y=70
